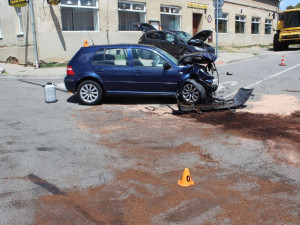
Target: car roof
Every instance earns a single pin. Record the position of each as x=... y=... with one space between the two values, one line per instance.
x=160 y=31
x=122 y=45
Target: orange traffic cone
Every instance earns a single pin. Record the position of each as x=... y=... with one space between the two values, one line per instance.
x=282 y=61
x=85 y=43
x=186 y=179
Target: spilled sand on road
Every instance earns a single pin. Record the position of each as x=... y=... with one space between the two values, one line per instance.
x=158 y=144
x=283 y=105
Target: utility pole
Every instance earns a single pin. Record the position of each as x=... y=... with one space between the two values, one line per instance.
x=217 y=29
x=34 y=34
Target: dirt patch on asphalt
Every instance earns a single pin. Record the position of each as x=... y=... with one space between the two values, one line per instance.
x=139 y=197
x=159 y=146
x=282 y=105
x=257 y=126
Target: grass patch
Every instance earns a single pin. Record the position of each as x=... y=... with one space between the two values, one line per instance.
x=53 y=64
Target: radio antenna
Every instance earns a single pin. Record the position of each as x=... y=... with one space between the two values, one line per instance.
x=91 y=38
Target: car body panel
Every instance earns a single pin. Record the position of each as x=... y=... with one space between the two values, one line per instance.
x=161 y=74
x=178 y=45
x=202 y=35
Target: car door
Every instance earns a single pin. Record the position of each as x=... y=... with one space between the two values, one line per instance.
x=150 y=76
x=171 y=44
x=111 y=65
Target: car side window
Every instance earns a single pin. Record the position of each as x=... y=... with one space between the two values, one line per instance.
x=149 y=35
x=113 y=56
x=170 y=37
x=146 y=58
x=156 y=36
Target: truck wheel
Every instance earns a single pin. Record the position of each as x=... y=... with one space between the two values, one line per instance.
x=90 y=92
x=278 y=46
x=193 y=92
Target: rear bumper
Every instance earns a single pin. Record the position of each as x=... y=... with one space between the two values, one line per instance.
x=70 y=83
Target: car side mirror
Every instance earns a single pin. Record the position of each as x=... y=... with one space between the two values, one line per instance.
x=175 y=42
x=167 y=66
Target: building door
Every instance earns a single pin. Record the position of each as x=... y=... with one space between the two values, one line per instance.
x=196 y=22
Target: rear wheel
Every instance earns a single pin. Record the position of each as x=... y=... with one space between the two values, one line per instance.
x=90 y=92
x=192 y=92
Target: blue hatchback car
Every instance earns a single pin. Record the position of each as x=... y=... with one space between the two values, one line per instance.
x=101 y=70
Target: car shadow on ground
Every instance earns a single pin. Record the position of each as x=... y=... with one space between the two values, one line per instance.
x=128 y=100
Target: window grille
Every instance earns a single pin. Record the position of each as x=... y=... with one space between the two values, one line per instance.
x=268 y=26
x=79 y=15
x=240 y=22
x=130 y=13
x=223 y=23
x=255 y=25
x=170 y=17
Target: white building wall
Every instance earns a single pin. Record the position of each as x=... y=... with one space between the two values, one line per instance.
x=56 y=45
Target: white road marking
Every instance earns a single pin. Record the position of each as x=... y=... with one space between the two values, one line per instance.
x=262 y=80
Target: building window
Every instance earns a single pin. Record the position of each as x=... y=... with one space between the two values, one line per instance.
x=255 y=25
x=20 y=21
x=79 y=15
x=268 y=26
x=170 y=17
x=130 y=13
x=223 y=22
x=240 y=22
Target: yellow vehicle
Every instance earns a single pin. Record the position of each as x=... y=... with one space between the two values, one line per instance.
x=288 y=29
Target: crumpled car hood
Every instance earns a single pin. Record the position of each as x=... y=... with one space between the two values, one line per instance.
x=197 y=58
x=202 y=35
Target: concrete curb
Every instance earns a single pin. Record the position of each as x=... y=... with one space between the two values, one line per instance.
x=32 y=76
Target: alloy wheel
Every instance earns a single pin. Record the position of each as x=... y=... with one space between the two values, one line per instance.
x=89 y=93
x=190 y=93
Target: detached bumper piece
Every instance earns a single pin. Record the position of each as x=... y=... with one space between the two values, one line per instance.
x=238 y=101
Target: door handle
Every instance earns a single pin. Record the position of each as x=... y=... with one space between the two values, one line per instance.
x=137 y=72
x=100 y=70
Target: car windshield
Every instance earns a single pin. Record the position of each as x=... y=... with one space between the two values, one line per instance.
x=174 y=60
x=292 y=19
x=184 y=36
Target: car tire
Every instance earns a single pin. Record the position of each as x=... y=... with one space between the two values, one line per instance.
x=193 y=92
x=145 y=54
x=186 y=52
x=90 y=92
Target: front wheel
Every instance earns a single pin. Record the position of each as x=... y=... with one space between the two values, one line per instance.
x=193 y=92
x=90 y=92
x=278 y=46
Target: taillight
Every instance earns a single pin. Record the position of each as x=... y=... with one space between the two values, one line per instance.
x=70 y=71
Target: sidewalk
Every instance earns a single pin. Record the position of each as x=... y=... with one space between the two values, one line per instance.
x=22 y=72
x=28 y=72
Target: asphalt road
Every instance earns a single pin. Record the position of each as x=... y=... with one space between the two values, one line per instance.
x=119 y=163
x=263 y=73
